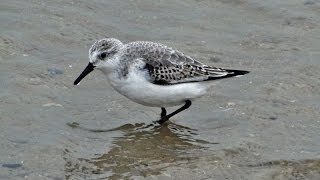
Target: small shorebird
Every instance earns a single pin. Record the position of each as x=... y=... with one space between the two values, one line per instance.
x=153 y=74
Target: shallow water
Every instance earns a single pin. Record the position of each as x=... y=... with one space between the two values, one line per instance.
x=264 y=125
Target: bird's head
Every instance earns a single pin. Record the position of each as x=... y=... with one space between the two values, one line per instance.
x=100 y=52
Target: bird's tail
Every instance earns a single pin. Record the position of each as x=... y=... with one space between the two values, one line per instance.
x=230 y=73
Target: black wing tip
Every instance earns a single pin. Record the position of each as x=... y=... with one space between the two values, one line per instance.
x=237 y=72
x=231 y=73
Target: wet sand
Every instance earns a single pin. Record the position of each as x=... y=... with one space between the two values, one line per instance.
x=264 y=125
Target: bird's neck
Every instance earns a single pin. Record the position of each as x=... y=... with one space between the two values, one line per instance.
x=113 y=69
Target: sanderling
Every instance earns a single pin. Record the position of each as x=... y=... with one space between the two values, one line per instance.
x=153 y=74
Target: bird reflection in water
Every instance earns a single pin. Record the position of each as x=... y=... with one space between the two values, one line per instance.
x=145 y=150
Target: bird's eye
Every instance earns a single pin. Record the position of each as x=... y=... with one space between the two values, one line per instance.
x=103 y=55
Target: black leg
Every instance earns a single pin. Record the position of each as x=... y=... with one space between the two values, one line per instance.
x=163 y=112
x=167 y=117
x=163 y=116
x=184 y=107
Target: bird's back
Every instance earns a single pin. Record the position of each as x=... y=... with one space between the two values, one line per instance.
x=169 y=66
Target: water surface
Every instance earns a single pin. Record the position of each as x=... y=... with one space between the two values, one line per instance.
x=264 y=125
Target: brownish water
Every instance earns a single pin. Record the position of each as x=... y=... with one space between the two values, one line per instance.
x=264 y=125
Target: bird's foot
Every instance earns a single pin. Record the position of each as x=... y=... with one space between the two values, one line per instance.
x=163 y=120
x=163 y=115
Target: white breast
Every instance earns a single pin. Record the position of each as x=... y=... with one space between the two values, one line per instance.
x=136 y=87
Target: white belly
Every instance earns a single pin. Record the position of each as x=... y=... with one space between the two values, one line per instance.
x=140 y=90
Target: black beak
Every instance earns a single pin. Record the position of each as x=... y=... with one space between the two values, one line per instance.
x=86 y=71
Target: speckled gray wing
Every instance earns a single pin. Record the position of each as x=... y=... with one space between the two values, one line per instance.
x=169 y=66
x=183 y=73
